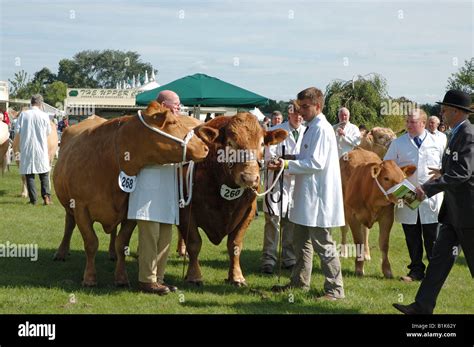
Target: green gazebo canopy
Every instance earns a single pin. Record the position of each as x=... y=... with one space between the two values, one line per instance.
x=204 y=90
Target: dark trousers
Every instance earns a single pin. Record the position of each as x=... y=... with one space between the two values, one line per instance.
x=30 y=185
x=416 y=235
x=445 y=251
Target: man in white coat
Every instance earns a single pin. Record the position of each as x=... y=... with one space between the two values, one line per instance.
x=433 y=124
x=34 y=127
x=317 y=200
x=154 y=204
x=273 y=216
x=347 y=134
x=420 y=148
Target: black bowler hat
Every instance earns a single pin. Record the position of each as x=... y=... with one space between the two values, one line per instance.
x=457 y=99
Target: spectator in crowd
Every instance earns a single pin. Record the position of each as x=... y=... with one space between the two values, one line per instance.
x=277 y=118
x=266 y=123
x=422 y=149
x=274 y=218
x=433 y=124
x=154 y=204
x=317 y=199
x=63 y=124
x=442 y=127
x=456 y=180
x=208 y=117
x=347 y=134
x=34 y=127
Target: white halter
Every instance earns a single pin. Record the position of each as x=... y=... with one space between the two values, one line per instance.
x=189 y=177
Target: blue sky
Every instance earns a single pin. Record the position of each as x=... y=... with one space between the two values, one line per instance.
x=275 y=48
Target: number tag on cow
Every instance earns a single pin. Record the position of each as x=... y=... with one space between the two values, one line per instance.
x=127 y=183
x=231 y=193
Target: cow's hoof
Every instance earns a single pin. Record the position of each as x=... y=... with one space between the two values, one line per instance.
x=197 y=283
x=388 y=275
x=89 y=284
x=122 y=284
x=238 y=283
x=359 y=273
x=367 y=257
x=59 y=257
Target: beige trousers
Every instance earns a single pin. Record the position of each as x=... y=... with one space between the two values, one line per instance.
x=154 y=242
x=305 y=241
x=271 y=240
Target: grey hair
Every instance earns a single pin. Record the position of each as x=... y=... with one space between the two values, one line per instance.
x=435 y=118
x=36 y=99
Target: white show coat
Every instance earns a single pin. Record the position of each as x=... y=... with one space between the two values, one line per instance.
x=155 y=197
x=347 y=142
x=404 y=152
x=317 y=198
x=34 y=127
x=291 y=147
x=442 y=138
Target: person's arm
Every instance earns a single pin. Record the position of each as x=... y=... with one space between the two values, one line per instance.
x=459 y=172
x=352 y=136
x=317 y=161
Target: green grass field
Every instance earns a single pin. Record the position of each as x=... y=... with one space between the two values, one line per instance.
x=46 y=286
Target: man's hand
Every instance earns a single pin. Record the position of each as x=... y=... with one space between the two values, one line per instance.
x=436 y=173
x=420 y=194
x=275 y=164
x=341 y=132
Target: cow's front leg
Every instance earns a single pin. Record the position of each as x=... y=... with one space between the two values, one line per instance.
x=385 y=226
x=193 y=247
x=122 y=247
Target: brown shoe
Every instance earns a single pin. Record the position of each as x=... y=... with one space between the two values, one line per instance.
x=47 y=200
x=153 y=288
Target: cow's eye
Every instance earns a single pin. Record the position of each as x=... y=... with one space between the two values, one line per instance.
x=386 y=179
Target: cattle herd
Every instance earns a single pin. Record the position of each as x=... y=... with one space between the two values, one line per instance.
x=95 y=151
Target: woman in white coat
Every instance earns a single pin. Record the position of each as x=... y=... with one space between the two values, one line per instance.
x=317 y=200
x=420 y=148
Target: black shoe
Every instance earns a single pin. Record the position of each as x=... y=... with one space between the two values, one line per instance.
x=268 y=269
x=171 y=287
x=410 y=309
x=289 y=267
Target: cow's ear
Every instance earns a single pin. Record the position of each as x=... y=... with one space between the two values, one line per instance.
x=153 y=108
x=207 y=134
x=408 y=170
x=275 y=136
x=375 y=170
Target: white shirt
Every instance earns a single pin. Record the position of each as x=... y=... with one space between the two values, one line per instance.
x=404 y=152
x=34 y=127
x=291 y=147
x=442 y=138
x=317 y=198
x=155 y=197
x=347 y=142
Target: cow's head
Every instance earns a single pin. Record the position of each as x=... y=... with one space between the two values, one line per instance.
x=388 y=174
x=171 y=151
x=240 y=145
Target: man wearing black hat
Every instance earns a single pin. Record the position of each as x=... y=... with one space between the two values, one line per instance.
x=456 y=180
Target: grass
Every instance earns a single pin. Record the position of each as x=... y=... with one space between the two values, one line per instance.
x=45 y=286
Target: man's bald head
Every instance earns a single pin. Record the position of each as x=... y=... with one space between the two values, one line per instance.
x=170 y=100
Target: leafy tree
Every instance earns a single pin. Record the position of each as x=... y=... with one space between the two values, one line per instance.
x=55 y=93
x=362 y=95
x=464 y=78
x=100 y=69
x=21 y=87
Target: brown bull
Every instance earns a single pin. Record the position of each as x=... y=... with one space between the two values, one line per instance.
x=365 y=203
x=217 y=215
x=86 y=174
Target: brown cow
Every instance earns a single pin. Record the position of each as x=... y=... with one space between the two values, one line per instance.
x=377 y=140
x=209 y=210
x=52 y=149
x=86 y=174
x=364 y=201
